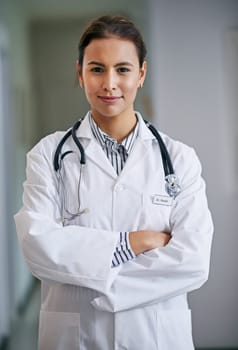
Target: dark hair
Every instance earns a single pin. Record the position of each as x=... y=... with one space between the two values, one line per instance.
x=107 y=26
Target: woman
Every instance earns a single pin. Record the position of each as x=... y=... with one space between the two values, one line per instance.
x=116 y=255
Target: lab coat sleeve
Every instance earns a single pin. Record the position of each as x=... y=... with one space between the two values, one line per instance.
x=71 y=254
x=179 y=267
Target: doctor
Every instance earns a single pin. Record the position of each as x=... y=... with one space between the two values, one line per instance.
x=116 y=255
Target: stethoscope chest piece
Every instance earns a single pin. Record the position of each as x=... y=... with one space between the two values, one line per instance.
x=172 y=185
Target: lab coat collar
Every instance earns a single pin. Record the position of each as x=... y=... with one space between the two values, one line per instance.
x=97 y=155
x=85 y=131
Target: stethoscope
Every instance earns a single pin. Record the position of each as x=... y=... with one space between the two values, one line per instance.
x=172 y=185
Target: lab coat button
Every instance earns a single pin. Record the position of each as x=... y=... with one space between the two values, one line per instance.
x=119 y=188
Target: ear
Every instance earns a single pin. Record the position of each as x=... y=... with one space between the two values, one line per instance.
x=143 y=71
x=79 y=73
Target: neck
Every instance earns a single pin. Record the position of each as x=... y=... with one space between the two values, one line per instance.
x=117 y=127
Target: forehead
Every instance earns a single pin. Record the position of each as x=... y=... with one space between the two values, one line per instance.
x=112 y=50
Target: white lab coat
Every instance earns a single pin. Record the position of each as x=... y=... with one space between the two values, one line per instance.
x=141 y=304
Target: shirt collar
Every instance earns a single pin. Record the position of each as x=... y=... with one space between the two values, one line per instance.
x=103 y=138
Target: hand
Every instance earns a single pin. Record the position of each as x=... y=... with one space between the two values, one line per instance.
x=142 y=241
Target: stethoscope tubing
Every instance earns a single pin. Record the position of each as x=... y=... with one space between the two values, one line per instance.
x=57 y=156
x=167 y=164
x=77 y=142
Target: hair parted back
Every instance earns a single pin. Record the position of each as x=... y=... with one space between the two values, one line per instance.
x=108 y=26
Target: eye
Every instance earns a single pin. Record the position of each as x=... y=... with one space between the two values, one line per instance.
x=96 y=69
x=123 y=70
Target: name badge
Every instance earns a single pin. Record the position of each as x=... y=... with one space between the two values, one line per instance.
x=162 y=200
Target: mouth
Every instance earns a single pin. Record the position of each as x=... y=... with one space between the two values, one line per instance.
x=109 y=99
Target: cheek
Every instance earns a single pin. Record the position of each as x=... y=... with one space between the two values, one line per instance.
x=90 y=86
x=132 y=83
x=132 y=87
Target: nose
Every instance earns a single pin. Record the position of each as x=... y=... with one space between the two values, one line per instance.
x=110 y=81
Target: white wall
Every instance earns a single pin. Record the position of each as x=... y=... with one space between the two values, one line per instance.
x=188 y=88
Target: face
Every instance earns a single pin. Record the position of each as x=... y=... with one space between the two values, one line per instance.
x=111 y=76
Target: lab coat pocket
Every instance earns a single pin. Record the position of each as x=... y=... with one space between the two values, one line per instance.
x=156 y=212
x=59 y=331
x=174 y=329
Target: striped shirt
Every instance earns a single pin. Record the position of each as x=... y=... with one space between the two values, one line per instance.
x=117 y=153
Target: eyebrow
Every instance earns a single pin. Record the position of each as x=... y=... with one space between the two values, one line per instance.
x=116 y=65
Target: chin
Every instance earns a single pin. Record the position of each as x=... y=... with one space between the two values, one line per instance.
x=108 y=114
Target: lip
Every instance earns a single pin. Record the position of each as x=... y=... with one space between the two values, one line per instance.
x=109 y=99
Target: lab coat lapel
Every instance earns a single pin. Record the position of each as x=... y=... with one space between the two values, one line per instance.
x=93 y=150
x=138 y=152
x=141 y=147
x=95 y=153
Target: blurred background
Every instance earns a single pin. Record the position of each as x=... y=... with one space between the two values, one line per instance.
x=191 y=93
